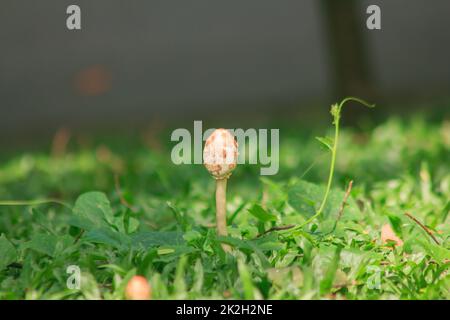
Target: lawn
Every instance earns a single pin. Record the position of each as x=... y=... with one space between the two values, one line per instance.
x=118 y=207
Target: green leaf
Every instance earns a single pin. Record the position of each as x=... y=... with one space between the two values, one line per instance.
x=133 y=224
x=326 y=141
x=445 y=212
x=164 y=251
x=179 y=282
x=198 y=277
x=396 y=224
x=305 y=198
x=172 y=253
x=261 y=214
x=148 y=239
x=268 y=242
x=179 y=216
x=8 y=253
x=80 y=222
x=327 y=282
x=109 y=237
x=192 y=235
x=248 y=246
x=42 y=243
x=94 y=210
x=438 y=253
x=246 y=280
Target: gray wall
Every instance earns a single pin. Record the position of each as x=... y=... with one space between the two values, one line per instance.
x=179 y=57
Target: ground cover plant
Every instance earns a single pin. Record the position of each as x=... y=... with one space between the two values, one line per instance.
x=375 y=226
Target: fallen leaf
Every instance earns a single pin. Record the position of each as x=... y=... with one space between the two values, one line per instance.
x=387 y=234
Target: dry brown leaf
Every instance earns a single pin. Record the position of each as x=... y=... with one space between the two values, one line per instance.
x=387 y=234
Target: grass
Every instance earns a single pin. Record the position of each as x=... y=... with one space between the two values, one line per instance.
x=120 y=208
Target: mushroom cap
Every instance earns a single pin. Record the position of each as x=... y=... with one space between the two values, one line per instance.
x=138 y=288
x=220 y=154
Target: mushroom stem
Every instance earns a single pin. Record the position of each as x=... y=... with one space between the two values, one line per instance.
x=221 y=209
x=220 y=159
x=221 y=203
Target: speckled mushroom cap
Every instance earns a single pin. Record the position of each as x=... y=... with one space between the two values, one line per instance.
x=220 y=154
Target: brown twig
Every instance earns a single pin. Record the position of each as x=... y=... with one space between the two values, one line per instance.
x=344 y=201
x=428 y=231
x=343 y=204
x=123 y=201
x=276 y=229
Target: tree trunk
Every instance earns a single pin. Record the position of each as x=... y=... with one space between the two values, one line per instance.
x=345 y=25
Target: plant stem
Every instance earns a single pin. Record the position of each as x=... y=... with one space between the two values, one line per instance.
x=330 y=176
x=280 y=228
x=221 y=209
x=33 y=202
x=428 y=231
x=336 y=113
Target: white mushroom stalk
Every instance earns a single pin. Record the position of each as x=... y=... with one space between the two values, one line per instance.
x=220 y=159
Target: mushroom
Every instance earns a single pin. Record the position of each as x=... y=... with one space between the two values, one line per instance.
x=220 y=158
x=138 y=288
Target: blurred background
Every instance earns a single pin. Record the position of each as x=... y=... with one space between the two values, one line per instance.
x=142 y=62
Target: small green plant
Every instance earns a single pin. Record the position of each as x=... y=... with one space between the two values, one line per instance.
x=332 y=145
